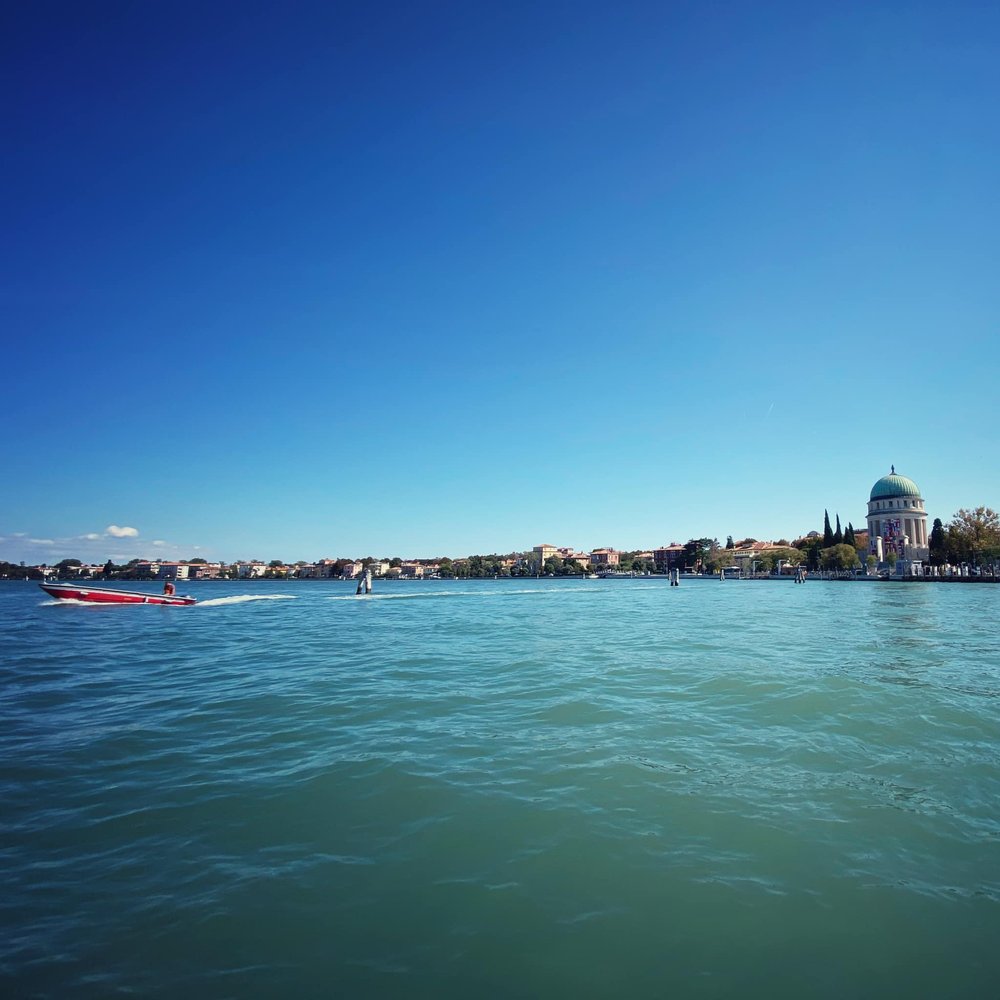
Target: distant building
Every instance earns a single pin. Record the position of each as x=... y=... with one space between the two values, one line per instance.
x=250 y=570
x=172 y=571
x=897 y=517
x=668 y=557
x=204 y=571
x=542 y=552
x=605 y=557
x=745 y=553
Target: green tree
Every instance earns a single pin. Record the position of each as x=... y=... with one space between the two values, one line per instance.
x=721 y=559
x=553 y=566
x=938 y=544
x=977 y=531
x=827 y=530
x=838 y=535
x=768 y=560
x=730 y=544
x=812 y=552
x=697 y=552
x=839 y=557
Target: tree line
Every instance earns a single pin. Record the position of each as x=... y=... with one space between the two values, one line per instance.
x=972 y=536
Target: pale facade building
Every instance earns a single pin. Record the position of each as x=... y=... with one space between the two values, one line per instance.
x=604 y=557
x=542 y=552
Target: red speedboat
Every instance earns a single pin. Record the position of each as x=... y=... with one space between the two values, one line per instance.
x=99 y=595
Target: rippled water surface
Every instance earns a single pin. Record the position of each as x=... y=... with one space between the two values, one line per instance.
x=524 y=788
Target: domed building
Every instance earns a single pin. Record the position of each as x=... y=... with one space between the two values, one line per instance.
x=897 y=518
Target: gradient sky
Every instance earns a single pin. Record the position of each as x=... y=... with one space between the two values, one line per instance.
x=302 y=280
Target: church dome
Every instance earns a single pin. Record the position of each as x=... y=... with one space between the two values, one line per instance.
x=891 y=486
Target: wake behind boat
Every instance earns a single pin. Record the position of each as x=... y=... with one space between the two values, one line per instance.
x=104 y=595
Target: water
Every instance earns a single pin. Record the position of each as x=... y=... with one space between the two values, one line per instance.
x=517 y=788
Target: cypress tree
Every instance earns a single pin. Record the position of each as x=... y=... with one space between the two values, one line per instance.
x=827 y=531
x=838 y=535
x=938 y=544
x=849 y=538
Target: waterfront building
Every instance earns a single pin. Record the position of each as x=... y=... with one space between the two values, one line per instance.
x=897 y=518
x=172 y=571
x=252 y=570
x=351 y=568
x=204 y=571
x=744 y=554
x=604 y=557
x=540 y=553
x=669 y=557
x=581 y=559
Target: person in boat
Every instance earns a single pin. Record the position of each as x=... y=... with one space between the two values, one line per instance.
x=169 y=589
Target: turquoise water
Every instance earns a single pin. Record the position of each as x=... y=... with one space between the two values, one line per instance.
x=517 y=788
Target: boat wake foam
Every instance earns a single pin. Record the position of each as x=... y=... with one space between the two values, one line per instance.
x=216 y=602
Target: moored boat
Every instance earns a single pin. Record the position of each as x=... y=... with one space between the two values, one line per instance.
x=106 y=595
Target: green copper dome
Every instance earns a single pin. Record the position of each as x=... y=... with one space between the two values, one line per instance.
x=891 y=486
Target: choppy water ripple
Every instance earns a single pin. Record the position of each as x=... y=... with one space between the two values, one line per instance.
x=524 y=788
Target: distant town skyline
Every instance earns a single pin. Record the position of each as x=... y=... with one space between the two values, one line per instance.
x=297 y=282
x=123 y=543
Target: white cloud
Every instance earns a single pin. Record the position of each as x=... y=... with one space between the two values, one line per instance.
x=119 y=543
x=115 y=532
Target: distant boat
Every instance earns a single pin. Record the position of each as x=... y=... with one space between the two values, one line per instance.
x=100 y=595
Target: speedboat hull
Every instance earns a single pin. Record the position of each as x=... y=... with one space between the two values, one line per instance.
x=99 y=595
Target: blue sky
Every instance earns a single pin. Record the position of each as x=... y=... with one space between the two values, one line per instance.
x=305 y=280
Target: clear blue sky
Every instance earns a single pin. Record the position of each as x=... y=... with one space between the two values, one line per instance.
x=305 y=280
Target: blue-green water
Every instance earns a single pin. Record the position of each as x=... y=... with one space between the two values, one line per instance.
x=580 y=788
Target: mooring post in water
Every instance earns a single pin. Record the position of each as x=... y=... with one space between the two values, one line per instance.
x=368 y=581
x=675 y=578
